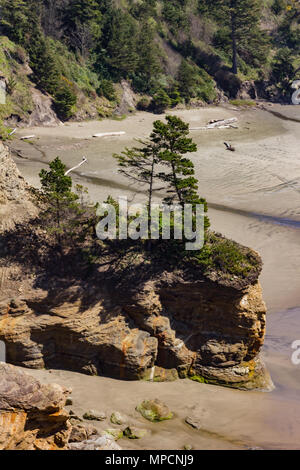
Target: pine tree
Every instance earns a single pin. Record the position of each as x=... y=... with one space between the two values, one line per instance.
x=68 y=217
x=167 y=145
x=187 y=80
x=161 y=101
x=64 y=100
x=241 y=17
x=283 y=70
x=148 y=65
x=138 y=164
x=172 y=141
x=82 y=22
x=43 y=63
x=120 y=51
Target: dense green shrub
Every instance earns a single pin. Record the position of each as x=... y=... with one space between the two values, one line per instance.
x=174 y=96
x=283 y=70
x=289 y=30
x=174 y=13
x=194 y=82
x=4 y=132
x=227 y=256
x=160 y=102
x=278 y=6
x=64 y=101
x=107 y=90
x=14 y=19
x=143 y=104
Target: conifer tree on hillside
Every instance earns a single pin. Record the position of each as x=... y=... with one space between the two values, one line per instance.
x=43 y=62
x=121 y=54
x=82 y=22
x=148 y=64
x=241 y=19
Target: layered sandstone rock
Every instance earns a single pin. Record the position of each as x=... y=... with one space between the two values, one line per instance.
x=200 y=329
x=31 y=415
x=147 y=321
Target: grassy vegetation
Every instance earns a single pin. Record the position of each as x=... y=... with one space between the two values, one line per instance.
x=247 y=103
x=223 y=255
x=4 y=132
x=12 y=64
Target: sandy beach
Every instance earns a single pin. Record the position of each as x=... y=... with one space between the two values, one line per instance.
x=254 y=197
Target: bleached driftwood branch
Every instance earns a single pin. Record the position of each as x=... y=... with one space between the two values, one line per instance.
x=27 y=137
x=84 y=160
x=106 y=134
x=218 y=124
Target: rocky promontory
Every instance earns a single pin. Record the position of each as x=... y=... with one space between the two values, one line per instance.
x=131 y=319
x=161 y=331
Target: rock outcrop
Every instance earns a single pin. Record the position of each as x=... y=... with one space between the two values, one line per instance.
x=97 y=443
x=128 y=99
x=43 y=113
x=148 y=322
x=200 y=329
x=32 y=416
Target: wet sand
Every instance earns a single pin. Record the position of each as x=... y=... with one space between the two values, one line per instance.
x=231 y=419
x=254 y=197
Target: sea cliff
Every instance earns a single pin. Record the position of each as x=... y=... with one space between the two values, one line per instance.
x=141 y=320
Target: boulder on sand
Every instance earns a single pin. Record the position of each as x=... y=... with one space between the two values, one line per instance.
x=32 y=416
x=154 y=410
x=93 y=415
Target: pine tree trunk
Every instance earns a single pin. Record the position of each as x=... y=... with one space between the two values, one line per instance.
x=149 y=242
x=234 y=44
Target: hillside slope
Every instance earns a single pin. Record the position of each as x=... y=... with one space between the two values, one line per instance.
x=78 y=52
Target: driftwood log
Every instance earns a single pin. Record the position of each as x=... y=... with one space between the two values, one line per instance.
x=218 y=124
x=107 y=134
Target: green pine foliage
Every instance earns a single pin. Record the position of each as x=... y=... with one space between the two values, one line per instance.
x=64 y=101
x=68 y=217
x=43 y=63
x=194 y=82
x=161 y=101
x=14 y=19
x=283 y=70
x=166 y=147
x=239 y=23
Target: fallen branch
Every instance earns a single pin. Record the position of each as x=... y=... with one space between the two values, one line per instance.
x=84 y=160
x=106 y=134
x=218 y=124
x=27 y=137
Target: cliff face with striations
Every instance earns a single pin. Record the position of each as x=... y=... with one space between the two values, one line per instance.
x=143 y=323
x=188 y=329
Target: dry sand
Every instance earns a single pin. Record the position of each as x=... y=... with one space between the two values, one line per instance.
x=254 y=196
